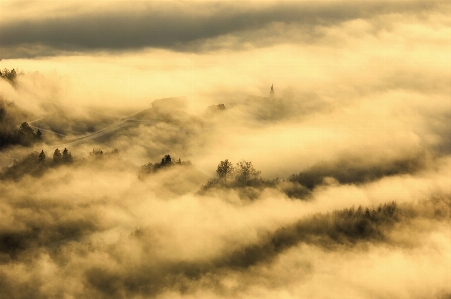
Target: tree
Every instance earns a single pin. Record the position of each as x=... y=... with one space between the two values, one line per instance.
x=42 y=157
x=167 y=160
x=57 y=156
x=97 y=153
x=2 y=109
x=67 y=157
x=9 y=75
x=225 y=168
x=26 y=134
x=26 y=129
x=12 y=75
x=38 y=134
x=245 y=171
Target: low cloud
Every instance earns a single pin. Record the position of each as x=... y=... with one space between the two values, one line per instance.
x=100 y=231
x=351 y=191
x=178 y=26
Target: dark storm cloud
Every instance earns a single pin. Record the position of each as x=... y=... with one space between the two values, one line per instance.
x=178 y=26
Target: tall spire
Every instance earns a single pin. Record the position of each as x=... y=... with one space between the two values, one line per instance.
x=271 y=93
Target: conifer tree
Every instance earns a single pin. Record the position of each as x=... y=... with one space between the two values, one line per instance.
x=42 y=157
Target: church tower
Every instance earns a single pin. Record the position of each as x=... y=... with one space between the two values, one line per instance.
x=271 y=93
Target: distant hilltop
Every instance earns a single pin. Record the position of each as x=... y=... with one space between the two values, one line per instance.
x=216 y=108
x=173 y=103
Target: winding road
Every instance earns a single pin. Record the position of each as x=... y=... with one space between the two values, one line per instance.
x=125 y=121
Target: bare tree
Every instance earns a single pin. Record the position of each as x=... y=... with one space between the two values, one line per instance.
x=225 y=168
x=245 y=171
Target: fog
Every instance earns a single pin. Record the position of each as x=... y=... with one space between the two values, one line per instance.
x=348 y=189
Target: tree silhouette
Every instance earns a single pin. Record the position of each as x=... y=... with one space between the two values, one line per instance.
x=225 y=168
x=38 y=134
x=26 y=129
x=67 y=157
x=245 y=175
x=26 y=134
x=9 y=74
x=57 y=156
x=42 y=156
x=167 y=160
x=245 y=171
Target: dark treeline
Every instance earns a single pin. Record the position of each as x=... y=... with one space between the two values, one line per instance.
x=341 y=229
x=355 y=171
x=166 y=162
x=99 y=154
x=13 y=130
x=24 y=135
x=245 y=179
x=36 y=164
x=13 y=243
x=229 y=176
x=9 y=75
x=338 y=230
x=241 y=177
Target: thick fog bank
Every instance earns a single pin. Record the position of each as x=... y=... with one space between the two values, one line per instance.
x=224 y=150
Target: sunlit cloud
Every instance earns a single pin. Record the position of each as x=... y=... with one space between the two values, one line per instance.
x=348 y=194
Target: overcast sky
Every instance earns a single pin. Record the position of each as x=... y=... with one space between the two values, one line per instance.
x=30 y=29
